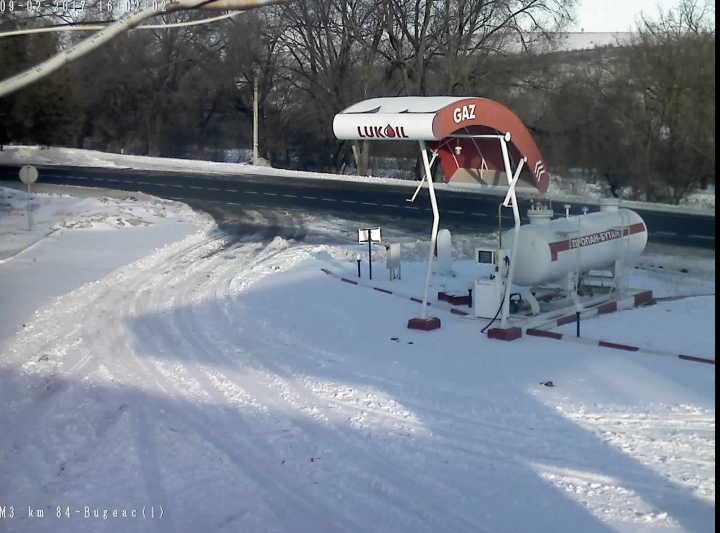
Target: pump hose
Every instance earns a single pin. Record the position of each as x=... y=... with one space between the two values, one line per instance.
x=494 y=318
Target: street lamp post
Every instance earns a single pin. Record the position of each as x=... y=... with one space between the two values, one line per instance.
x=256 y=76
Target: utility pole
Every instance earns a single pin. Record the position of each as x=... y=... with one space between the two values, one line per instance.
x=256 y=76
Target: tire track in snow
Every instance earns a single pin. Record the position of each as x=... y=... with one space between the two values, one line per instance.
x=188 y=328
x=294 y=494
x=258 y=258
x=203 y=347
x=298 y=394
x=63 y=375
x=287 y=397
x=148 y=455
x=105 y=337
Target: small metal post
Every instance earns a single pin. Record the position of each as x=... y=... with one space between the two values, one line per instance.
x=388 y=257
x=29 y=210
x=370 y=252
x=577 y=315
x=358 y=259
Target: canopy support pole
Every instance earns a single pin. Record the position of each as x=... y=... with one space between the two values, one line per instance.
x=436 y=223
x=510 y=198
x=411 y=200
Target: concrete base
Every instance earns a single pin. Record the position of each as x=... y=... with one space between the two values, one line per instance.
x=454 y=299
x=509 y=334
x=424 y=324
x=644 y=297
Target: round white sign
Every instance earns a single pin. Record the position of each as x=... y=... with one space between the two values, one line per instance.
x=28 y=174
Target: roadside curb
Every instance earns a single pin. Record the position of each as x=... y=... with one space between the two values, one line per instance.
x=393 y=293
x=533 y=332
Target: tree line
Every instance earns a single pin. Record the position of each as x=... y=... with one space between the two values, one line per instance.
x=640 y=114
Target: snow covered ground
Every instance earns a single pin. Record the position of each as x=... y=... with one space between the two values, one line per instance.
x=560 y=190
x=237 y=387
x=76 y=240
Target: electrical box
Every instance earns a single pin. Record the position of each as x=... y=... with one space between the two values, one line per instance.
x=487 y=296
x=392 y=259
x=494 y=257
x=486 y=256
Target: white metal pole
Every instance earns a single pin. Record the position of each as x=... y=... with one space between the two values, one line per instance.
x=511 y=197
x=421 y=182
x=29 y=210
x=436 y=222
x=256 y=74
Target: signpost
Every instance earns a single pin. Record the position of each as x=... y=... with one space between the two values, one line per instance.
x=369 y=236
x=28 y=175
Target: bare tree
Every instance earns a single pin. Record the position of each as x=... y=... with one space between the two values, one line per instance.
x=671 y=72
x=331 y=47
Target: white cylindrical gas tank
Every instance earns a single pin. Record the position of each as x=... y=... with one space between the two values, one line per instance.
x=548 y=251
x=444 y=251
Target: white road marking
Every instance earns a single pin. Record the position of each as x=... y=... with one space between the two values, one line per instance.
x=178 y=186
x=161 y=184
x=457 y=212
x=411 y=207
x=98 y=179
x=213 y=189
x=349 y=202
x=665 y=233
x=368 y=203
x=250 y=192
x=195 y=187
x=143 y=183
x=309 y=198
x=289 y=196
x=231 y=190
x=479 y=214
x=709 y=237
x=124 y=181
x=112 y=180
x=232 y=203
x=86 y=178
x=269 y=194
x=328 y=200
x=389 y=205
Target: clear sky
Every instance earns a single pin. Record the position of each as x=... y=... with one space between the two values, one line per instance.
x=616 y=15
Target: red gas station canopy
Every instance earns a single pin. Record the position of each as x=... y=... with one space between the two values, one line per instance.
x=445 y=123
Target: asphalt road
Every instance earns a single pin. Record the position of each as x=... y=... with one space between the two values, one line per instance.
x=374 y=204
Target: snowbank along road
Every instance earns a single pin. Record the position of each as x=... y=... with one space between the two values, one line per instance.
x=340 y=196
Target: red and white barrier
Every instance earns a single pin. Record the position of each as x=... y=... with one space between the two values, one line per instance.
x=615 y=346
x=393 y=293
x=542 y=330
x=604 y=308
